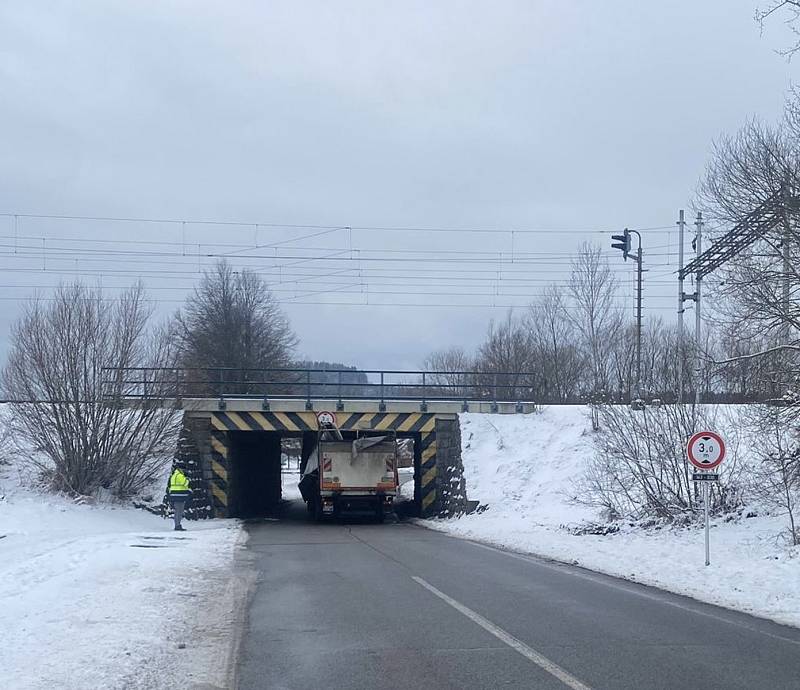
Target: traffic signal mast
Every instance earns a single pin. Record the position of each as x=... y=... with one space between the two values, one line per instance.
x=623 y=242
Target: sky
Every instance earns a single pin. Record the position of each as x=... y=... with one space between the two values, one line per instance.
x=400 y=173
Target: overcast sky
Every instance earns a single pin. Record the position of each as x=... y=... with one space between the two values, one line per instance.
x=565 y=119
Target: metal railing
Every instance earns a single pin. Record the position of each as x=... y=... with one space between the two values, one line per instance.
x=153 y=383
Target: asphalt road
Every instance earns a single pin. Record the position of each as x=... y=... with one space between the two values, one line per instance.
x=365 y=606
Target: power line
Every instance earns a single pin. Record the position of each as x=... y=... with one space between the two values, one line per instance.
x=352 y=304
x=298 y=226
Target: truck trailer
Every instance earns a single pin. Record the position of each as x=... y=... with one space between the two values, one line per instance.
x=351 y=472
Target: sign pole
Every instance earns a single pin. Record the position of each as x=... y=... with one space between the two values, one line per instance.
x=706 y=450
x=705 y=501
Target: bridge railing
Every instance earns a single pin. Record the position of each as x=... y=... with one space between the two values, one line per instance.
x=153 y=383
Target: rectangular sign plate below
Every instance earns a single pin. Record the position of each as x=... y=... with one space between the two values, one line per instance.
x=705 y=477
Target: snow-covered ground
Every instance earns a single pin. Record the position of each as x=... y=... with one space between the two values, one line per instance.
x=110 y=597
x=405 y=488
x=524 y=468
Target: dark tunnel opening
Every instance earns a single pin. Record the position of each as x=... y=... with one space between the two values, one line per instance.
x=255 y=474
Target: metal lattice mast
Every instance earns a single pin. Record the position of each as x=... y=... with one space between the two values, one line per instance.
x=770 y=214
x=752 y=227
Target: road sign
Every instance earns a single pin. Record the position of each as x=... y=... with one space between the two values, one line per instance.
x=705 y=477
x=706 y=450
x=326 y=418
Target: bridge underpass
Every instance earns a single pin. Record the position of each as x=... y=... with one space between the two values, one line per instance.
x=239 y=451
x=236 y=420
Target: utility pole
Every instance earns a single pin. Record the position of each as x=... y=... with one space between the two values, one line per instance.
x=681 y=375
x=698 y=370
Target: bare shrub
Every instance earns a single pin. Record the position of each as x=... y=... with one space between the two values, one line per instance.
x=55 y=371
x=640 y=469
x=775 y=473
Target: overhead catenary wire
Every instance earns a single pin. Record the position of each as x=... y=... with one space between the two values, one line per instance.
x=312 y=226
x=296 y=273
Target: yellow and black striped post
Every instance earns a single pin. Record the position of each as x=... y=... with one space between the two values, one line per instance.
x=218 y=485
x=427 y=479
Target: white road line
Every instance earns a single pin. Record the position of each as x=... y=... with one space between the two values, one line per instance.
x=531 y=654
x=633 y=587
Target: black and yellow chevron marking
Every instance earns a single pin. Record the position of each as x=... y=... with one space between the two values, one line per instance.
x=427 y=480
x=420 y=423
x=402 y=422
x=219 y=472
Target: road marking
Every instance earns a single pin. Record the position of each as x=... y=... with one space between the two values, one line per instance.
x=661 y=596
x=531 y=654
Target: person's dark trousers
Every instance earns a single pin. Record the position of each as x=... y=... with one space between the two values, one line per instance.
x=178 y=504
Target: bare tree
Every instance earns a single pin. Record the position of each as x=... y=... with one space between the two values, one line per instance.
x=556 y=354
x=451 y=371
x=756 y=291
x=790 y=10
x=69 y=412
x=233 y=321
x=504 y=359
x=593 y=312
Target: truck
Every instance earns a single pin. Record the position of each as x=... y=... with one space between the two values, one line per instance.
x=351 y=472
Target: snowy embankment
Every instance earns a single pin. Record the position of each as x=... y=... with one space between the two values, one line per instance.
x=111 y=597
x=524 y=469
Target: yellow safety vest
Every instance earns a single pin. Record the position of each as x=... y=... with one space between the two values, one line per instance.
x=178 y=483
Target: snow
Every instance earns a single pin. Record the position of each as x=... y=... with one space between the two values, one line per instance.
x=290 y=485
x=104 y=596
x=405 y=488
x=524 y=467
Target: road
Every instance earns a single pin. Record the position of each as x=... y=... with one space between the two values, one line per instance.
x=364 y=606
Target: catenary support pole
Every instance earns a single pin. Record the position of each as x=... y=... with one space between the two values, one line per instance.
x=681 y=363
x=698 y=316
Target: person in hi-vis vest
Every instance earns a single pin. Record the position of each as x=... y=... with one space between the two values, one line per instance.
x=178 y=492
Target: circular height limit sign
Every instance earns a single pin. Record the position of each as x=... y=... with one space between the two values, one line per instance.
x=326 y=418
x=706 y=450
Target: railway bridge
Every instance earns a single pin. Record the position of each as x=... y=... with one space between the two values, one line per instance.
x=238 y=423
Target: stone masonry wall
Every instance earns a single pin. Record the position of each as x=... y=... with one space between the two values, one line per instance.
x=192 y=452
x=451 y=486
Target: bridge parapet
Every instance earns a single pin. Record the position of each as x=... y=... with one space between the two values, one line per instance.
x=453 y=391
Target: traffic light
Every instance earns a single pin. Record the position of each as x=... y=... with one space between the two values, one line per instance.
x=622 y=242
